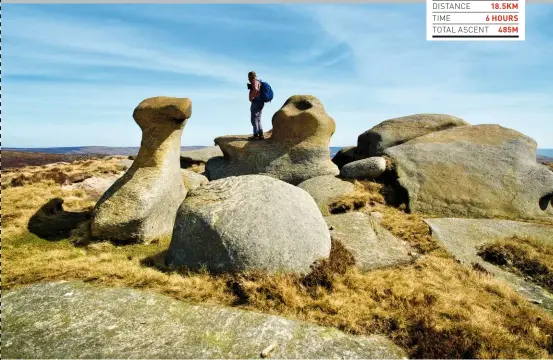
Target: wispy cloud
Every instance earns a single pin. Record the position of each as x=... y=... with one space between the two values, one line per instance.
x=79 y=70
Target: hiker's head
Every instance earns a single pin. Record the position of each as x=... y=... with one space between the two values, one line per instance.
x=252 y=76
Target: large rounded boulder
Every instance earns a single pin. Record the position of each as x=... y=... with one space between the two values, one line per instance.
x=400 y=130
x=480 y=171
x=297 y=148
x=250 y=222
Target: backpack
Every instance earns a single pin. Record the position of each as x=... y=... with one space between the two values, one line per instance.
x=265 y=92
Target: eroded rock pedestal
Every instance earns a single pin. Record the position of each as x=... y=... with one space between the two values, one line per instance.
x=141 y=205
x=295 y=150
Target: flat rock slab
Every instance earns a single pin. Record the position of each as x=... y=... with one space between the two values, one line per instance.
x=463 y=237
x=76 y=320
x=327 y=189
x=372 y=246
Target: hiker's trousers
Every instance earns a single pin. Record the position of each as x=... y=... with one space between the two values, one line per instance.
x=256 y=108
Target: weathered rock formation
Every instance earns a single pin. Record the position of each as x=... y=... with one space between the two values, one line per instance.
x=474 y=171
x=371 y=245
x=199 y=157
x=142 y=204
x=295 y=150
x=326 y=190
x=248 y=222
x=400 y=130
x=69 y=320
x=370 y=168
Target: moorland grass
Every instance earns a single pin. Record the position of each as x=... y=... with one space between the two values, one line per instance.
x=524 y=256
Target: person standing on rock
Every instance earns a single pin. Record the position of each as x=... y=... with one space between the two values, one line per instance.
x=256 y=107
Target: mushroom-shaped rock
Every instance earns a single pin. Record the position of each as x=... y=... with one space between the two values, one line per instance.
x=141 y=205
x=480 y=171
x=295 y=150
x=396 y=131
x=250 y=222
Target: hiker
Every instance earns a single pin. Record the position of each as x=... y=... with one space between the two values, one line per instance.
x=260 y=93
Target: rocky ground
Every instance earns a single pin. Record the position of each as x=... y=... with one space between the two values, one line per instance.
x=324 y=267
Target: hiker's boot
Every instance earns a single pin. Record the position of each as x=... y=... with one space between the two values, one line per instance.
x=255 y=137
x=261 y=137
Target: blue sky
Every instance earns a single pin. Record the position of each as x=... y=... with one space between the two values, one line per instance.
x=74 y=73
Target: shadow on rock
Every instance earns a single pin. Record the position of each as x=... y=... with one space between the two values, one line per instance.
x=51 y=222
x=156 y=261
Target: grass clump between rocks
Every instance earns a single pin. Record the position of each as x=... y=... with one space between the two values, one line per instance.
x=524 y=256
x=434 y=308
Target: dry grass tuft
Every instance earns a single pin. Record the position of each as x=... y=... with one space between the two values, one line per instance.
x=197 y=168
x=524 y=256
x=434 y=308
x=365 y=193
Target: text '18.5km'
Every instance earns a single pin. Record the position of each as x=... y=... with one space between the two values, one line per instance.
x=490 y=20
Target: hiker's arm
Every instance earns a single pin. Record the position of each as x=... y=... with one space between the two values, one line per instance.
x=254 y=91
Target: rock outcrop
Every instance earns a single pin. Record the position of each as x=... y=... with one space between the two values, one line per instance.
x=371 y=245
x=400 y=130
x=463 y=238
x=326 y=190
x=250 y=222
x=295 y=150
x=69 y=320
x=199 y=156
x=480 y=171
x=142 y=204
x=370 y=168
